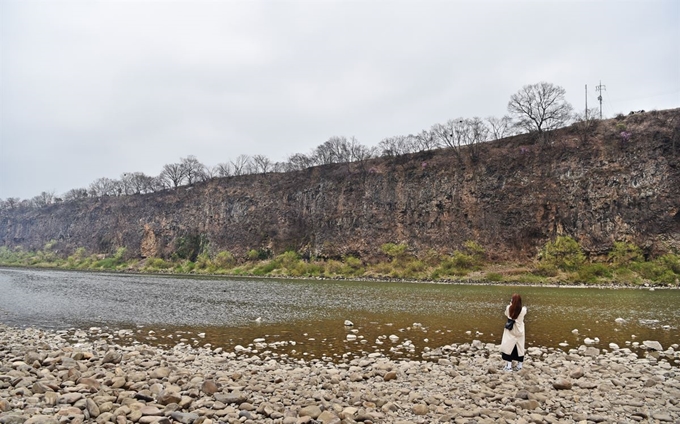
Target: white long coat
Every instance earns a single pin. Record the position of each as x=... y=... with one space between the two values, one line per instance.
x=516 y=336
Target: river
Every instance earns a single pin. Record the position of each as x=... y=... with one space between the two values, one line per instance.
x=305 y=318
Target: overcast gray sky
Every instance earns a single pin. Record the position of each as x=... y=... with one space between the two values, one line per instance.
x=94 y=89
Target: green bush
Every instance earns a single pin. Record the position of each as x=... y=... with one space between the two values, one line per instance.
x=564 y=253
x=265 y=268
x=623 y=253
x=591 y=273
x=225 y=260
x=475 y=250
x=545 y=270
x=494 y=276
x=671 y=262
x=394 y=251
x=157 y=264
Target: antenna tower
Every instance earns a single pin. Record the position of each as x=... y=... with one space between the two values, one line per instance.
x=600 y=88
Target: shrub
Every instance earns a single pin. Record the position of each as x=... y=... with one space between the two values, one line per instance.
x=671 y=262
x=475 y=250
x=545 y=270
x=494 y=276
x=157 y=263
x=564 y=253
x=394 y=251
x=590 y=273
x=225 y=260
x=265 y=268
x=623 y=253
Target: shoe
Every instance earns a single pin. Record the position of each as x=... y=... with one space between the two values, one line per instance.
x=508 y=368
x=518 y=367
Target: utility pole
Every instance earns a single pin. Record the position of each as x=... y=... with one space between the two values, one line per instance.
x=600 y=88
x=586 y=102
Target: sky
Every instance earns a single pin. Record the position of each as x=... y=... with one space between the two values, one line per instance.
x=92 y=89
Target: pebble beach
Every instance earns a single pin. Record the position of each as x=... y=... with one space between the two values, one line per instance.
x=46 y=377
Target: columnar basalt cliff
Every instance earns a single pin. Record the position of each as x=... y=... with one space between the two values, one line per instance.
x=518 y=194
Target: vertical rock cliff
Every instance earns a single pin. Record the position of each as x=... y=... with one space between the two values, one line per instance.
x=516 y=196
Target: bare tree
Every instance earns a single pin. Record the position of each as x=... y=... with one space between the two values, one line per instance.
x=396 y=145
x=193 y=169
x=11 y=203
x=298 y=162
x=424 y=141
x=477 y=132
x=222 y=170
x=261 y=164
x=158 y=184
x=358 y=152
x=540 y=108
x=43 y=199
x=125 y=183
x=75 y=194
x=500 y=127
x=279 y=167
x=241 y=165
x=450 y=135
x=174 y=174
x=103 y=187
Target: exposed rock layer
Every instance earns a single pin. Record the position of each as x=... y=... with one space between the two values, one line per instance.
x=514 y=198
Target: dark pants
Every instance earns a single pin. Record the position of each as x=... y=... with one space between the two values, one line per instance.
x=513 y=356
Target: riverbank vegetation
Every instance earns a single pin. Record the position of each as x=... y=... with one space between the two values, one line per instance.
x=559 y=261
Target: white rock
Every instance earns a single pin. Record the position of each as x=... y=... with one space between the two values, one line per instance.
x=613 y=346
x=620 y=320
x=348 y=323
x=394 y=338
x=575 y=331
x=351 y=337
x=588 y=341
x=653 y=345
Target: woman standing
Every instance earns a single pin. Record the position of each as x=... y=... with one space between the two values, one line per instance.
x=512 y=344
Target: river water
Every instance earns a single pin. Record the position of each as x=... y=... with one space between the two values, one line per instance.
x=305 y=318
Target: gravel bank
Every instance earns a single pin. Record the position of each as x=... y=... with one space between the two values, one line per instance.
x=45 y=378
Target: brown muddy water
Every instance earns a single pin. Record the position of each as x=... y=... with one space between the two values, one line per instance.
x=305 y=318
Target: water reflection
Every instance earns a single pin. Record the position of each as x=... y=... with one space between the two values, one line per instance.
x=305 y=318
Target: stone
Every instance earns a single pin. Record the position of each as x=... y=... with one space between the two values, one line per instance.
x=562 y=384
x=150 y=410
x=69 y=398
x=209 y=387
x=327 y=417
x=662 y=416
x=184 y=417
x=92 y=408
x=112 y=357
x=591 y=351
x=653 y=345
x=231 y=398
x=166 y=397
x=160 y=373
x=390 y=375
x=310 y=411
x=420 y=409
x=576 y=373
x=4 y=405
x=41 y=419
x=530 y=404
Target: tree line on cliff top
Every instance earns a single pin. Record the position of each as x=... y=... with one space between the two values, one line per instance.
x=536 y=108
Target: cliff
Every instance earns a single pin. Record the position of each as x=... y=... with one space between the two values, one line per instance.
x=519 y=193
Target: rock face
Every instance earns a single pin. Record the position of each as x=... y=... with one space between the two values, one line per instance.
x=468 y=387
x=513 y=198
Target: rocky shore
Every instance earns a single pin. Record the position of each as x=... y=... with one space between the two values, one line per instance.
x=48 y=378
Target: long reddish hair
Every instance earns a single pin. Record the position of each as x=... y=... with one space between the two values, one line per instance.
x=515 y=306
